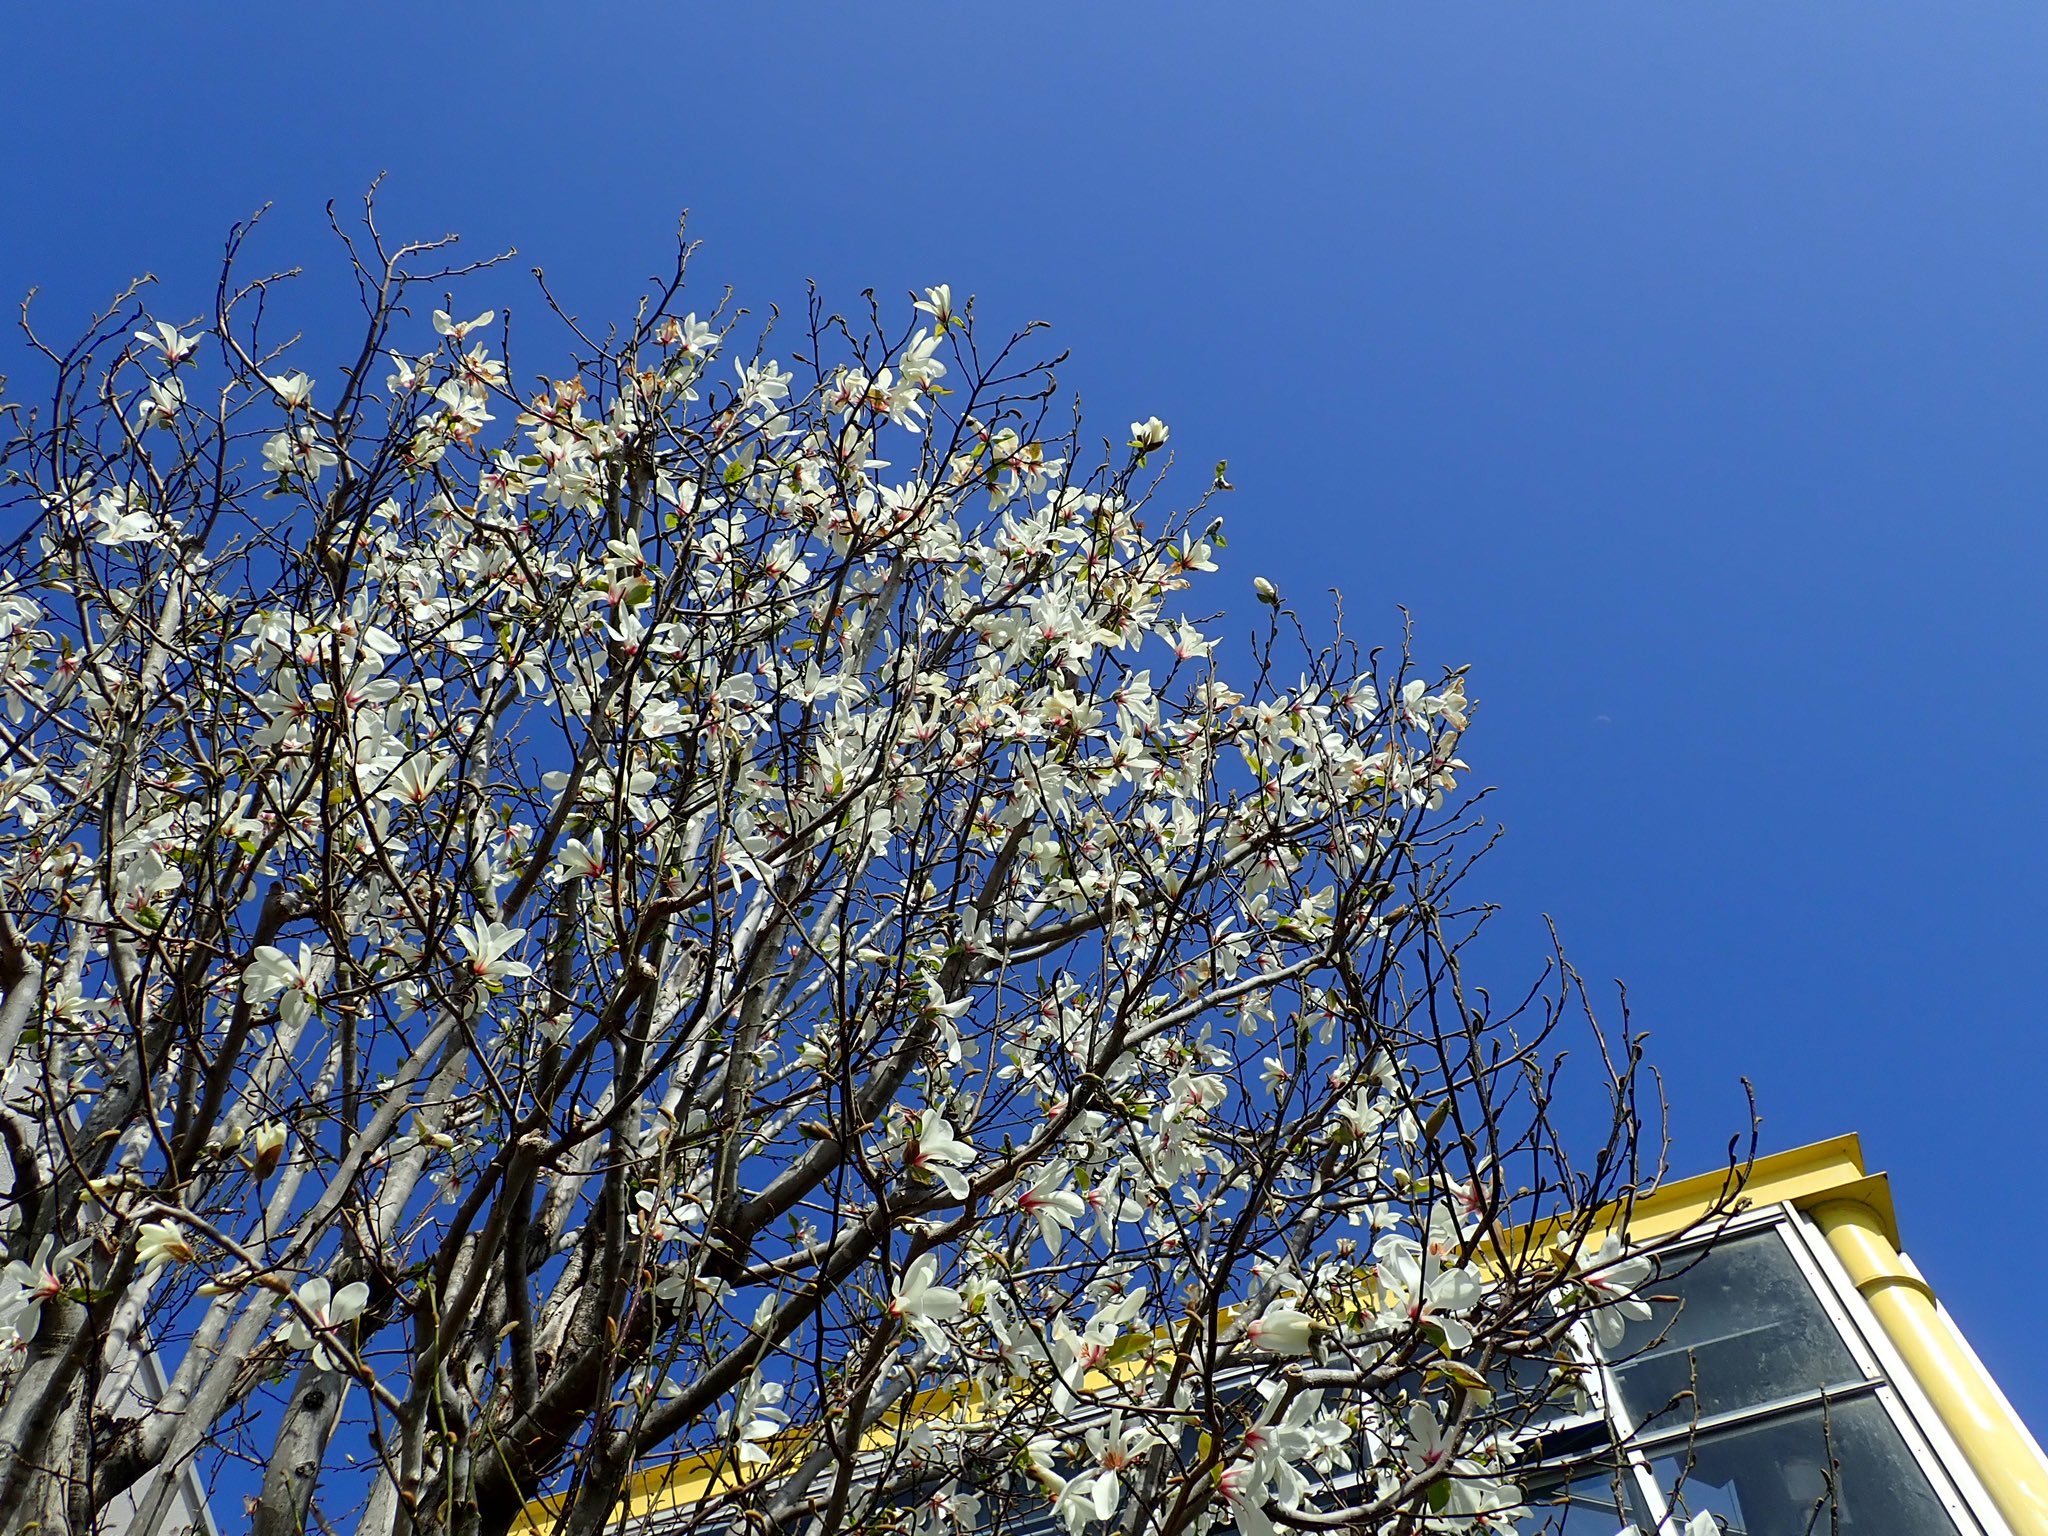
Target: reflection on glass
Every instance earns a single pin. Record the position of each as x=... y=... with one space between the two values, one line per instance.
x=1838 y=1470
x=1598 y=1502
x=1748 y=1330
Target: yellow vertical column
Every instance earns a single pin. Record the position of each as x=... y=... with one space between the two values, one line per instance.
x=1996 y=1444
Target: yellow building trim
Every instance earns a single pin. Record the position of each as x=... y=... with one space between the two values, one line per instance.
x=1695 y=1205
x=690 y=1478
x=1993 y=1441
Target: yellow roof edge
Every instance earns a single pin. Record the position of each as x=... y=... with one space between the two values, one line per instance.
x=684 y=1479
x=687 y=1478
x=1800 y=1176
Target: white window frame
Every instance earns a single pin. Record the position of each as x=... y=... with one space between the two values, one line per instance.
x=1910 y=1407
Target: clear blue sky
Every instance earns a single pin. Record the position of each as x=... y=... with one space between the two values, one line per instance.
x=1681 y=368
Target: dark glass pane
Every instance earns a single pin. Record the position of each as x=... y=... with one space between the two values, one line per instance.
x=1748 y=1330
x=1017 y=1508
x=1843 y=1469
x=1528 y=1391
x=1596 y=1502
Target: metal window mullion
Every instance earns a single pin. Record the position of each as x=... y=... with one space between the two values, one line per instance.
x=1606 y=1393
x=1735 y=1418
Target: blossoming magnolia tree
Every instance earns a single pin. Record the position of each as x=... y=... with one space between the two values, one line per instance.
x=716 y=906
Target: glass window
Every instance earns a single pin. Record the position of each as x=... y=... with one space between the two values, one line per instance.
x=1841 y=1469
x=1529 y=1391
x=1746 y=1329
x=1597 y=1501
x=1017 y=1509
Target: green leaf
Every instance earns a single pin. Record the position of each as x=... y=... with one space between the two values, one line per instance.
x=1128 y=1345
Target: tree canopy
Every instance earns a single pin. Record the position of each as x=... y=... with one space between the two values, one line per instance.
x=724 y=899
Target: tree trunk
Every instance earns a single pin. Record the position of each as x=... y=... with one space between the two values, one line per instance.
x=293 y=1475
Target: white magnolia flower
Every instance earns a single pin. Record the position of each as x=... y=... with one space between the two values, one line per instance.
x=161 y=405
x=1076 y=1502
x=329 y=1309
x=578 y=860
x=922 y=1303
x=689 y=336
x=1053 y=1206
x=458 y=331
x=1246 y=1486
x=164 y=337
x=414 y=781
x=1610 y=1280
x=933 y=1149
x=1427 y=1446
x=1417 y=1286
x=1281 y=1330
x=1187 y=642
x=294 y=388
x=1090 y=1498
x=409 y=374
x=663 y=1218
x=1117 y=1445
x=123 y=517
x=648 y=1384
x=160 y=1243
x=298 y=450
x=754 y=1418
x=1471 y=1497
x=266 y=1144
x=938 y=303
x=273 y=973
x=26 y=1285
x=487 y=944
